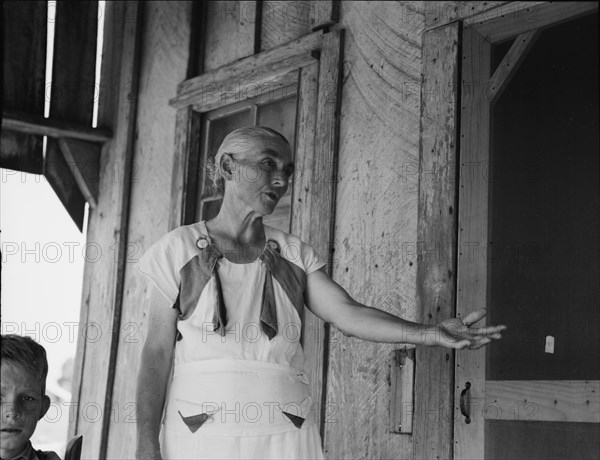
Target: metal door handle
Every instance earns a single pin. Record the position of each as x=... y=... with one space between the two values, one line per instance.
x=463 y=403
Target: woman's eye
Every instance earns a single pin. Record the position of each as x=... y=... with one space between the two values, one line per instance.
x=269 y=164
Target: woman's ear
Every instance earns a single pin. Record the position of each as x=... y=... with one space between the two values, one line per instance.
x=45 y=406
x=226 y=166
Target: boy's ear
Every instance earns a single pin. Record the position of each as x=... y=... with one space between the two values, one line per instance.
x=45 y=406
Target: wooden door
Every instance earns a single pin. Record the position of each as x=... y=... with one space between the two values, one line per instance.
x=528 y=237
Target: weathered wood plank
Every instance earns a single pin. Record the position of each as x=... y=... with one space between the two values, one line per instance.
x=258 y=90
x=74 y=64
x=164 y=55
x=103 y=273
x=543 y=400
x=323 y=13
x=510 y=63
x=73 y=85
x=436 y=230
x=85 y=160
x=251 y=70
x=402 y=374
x=38 y=125
x=441 y=13
x=313 y=330
x=472 y=235
x=59 y=174
x=283 y=22
x=314 y=190
x=229 y=34
x=520 y=17
x=376 y=219
x=23 y=70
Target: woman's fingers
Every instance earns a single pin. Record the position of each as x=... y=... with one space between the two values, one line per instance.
x=487 y=330
x=474 y=316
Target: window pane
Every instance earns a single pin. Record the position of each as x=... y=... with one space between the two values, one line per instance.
x=281 y=116
x=210 y=208
x=544 y=263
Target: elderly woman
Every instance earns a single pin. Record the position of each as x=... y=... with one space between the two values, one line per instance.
x=222 y=364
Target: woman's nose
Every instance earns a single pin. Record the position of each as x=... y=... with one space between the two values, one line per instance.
x=280 y=179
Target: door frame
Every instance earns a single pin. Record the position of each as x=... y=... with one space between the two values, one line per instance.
x=479 y=88
x=314 y=63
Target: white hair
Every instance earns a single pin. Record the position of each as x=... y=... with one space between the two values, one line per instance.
x=239 y=142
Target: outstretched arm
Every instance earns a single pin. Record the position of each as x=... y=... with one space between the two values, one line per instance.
x=329 y=301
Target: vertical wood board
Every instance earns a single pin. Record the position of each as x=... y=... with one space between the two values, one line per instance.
x=376 y=218
x=432 y=434
x=165 y=56
x=229 y=33
x=72 y=91
x=23 y=71
x=283 y=21
x=103 y=271
x=472 y=235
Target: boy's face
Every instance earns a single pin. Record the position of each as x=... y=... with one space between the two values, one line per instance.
x=23 y=404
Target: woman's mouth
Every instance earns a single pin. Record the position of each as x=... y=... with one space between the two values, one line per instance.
x=273 y=196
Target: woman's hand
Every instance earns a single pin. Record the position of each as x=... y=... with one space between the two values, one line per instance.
x=459 y=334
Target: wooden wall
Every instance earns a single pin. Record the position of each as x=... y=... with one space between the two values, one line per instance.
x=376 y=216
x=376 y=219
x=166 y=33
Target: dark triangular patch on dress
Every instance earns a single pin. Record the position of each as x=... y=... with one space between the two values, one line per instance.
x=295 y=419
x=194 y=422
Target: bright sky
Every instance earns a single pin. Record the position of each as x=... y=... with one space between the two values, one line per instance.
x=42 y=266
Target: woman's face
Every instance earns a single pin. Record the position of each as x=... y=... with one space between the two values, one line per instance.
x=260 y=176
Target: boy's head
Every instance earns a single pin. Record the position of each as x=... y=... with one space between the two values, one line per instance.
x=23 y=382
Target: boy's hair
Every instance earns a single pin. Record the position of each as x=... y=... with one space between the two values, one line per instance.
x=26 y=353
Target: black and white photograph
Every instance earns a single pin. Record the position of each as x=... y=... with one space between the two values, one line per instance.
x=268 y=229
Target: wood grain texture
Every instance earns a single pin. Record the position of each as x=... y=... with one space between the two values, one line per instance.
x=314 y=192
x=283 y=22
x=323 y=13
x=510 y=63
x=73 y=87
x=376 y=218
x=519 y=17
x=543 y=400
x=37 y=124
x=436 y=236
x=103 y=273
x=23 y=71
x=207 y=88
x=472 y=235
x=165 y=45
x=84 y=159
x=402 y=375
x=442 y=13
x=267 y=86
x=229 y=34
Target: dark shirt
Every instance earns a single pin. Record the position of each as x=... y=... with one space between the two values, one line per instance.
x=29 y=453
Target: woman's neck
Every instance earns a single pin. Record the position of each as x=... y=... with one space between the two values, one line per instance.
x=237 y=227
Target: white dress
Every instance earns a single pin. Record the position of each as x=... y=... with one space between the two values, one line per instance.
x=230 y=395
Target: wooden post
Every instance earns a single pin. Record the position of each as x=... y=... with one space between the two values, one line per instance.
x=432 y=430
x=107 y=230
